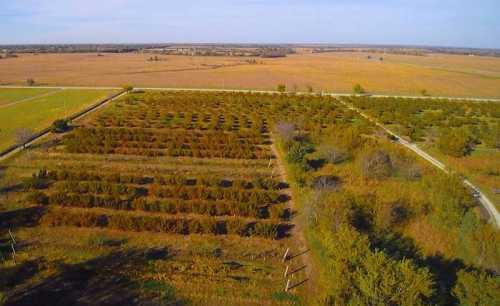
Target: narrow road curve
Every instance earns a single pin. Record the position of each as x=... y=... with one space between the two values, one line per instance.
x=481 y=197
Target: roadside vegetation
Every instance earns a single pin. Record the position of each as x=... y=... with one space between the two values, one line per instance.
x=463 y=134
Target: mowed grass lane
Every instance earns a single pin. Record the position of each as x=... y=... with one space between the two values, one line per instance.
x=39 y=113
x=12 y=95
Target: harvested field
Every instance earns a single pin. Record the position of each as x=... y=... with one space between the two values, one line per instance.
x=438 y=74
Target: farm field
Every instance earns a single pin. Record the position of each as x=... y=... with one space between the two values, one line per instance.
x=192 y=198
x=39 y=113
x=181 y=202
x=438 y=74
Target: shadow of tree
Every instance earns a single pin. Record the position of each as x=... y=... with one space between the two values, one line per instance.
x=21 y=217
x=101 y=281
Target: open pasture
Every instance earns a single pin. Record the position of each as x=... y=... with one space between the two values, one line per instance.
x=15 y=95
x=39 y=113
x=438 y=74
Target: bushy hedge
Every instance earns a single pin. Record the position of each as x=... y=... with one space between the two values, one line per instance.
x=184 y=226
x=169 y=206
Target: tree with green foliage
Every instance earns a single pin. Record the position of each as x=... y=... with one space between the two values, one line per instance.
x=358 y=89
x=281 y=88
x=380 y=280
x=477 y=289
x=127 y=88
x=449 y=199
x=30 y=82
x=297 y=152
x=455 y=142
x=60 y=126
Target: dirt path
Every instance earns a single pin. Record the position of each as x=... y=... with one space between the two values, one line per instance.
x=297 y=232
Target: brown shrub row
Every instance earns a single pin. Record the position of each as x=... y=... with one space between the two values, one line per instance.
x=172 y=179
x=216 y=193
x=170 y=206
x=237 y=153
x=183 y=226
x=96 y=187
x=173 y=136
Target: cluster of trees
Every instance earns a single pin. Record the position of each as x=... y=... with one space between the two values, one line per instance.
x=357 y=230
x=163 y=224
x=464 y=122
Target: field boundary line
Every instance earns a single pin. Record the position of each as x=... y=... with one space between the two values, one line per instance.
x=33 y=98
x=9 y=152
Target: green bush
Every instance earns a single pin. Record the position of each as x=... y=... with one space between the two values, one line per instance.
x=456 y=143
x=477 y=288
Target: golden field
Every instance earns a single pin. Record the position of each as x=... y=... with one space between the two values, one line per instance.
x=438 y=74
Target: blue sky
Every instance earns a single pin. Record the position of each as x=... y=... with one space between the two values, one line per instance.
x=465 y=23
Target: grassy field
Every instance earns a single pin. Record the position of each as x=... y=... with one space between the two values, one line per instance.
x=13 y=95
x=40 y=112
x=438 y=74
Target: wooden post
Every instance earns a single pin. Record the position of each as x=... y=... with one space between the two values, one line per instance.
x=12 y=237
x=287 y=285
x=13 y=253
x=286 y=254
x=286 y=271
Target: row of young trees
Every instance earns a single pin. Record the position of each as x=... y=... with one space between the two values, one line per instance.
x=178 y=137
x=165 y=179
x=168 y=206
x=175 y=225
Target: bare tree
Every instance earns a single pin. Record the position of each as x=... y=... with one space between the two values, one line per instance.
x=331 y=154
x=286 y=130
x=23 y=135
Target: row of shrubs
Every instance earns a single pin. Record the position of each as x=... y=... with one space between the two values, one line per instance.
x=97 y=187
x=174 y=136
x=171 y=179
x=216 y=193
x=177 y=192
x=230 y=153
x=170 y=206
x=163 y=224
